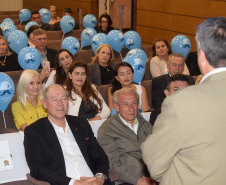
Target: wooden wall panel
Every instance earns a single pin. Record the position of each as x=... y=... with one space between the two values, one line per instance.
x=87 y=6
x=173 y=17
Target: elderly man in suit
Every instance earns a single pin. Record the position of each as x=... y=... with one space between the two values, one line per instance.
x=121 y=135
x=188 y=145
x=62 y=150
x=159 y=84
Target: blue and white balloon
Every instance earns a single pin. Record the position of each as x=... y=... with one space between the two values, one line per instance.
x=89 y=21
x=132 y=40
x=71 y=44
x=29 y=58
x=17 y=40
x=138 y=66
x=45 y=14
x=31 y=23
x=67 y=23
x=138 y=53
x=7 y=90
x=116 y=40
x=8 y=29
x=181 y=44
x=87 y=36
x=8 y=21
x=24 y=15
x=98 y=40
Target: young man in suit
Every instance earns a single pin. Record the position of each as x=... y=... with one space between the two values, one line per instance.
x=187 y=145
x=62 y=150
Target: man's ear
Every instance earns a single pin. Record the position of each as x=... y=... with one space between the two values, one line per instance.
x=166 y=92
x=44 y=103
x=116 y=107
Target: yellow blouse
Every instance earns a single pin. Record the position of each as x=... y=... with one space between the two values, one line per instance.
x=29 y=115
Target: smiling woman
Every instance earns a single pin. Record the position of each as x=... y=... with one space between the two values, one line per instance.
x=84 y=99
x=8 y=60
x=28 y=107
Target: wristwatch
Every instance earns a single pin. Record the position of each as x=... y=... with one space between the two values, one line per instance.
x=101 y=175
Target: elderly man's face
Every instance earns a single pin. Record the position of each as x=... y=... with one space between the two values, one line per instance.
x=36 y=18
x=56 y=103
x=40 y=41
x=127 y=106
x=176 y=65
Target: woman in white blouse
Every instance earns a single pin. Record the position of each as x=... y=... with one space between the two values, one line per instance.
x=84 y=99
x=160 y=53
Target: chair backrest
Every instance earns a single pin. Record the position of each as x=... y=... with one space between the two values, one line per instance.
x=147 y=74
x=148 y=85
x=52 y=35
x=103 y=89
x=54 y=44
x=15 y=76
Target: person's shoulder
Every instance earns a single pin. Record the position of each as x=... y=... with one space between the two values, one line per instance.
x=76 y=120
x=154 y=59
x=160 y=78
x=109 y=123
x=37 y=125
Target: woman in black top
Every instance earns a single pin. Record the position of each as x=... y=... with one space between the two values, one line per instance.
x=105 y=24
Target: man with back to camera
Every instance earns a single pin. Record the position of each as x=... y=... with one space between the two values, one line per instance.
x=175 y=66
x=35 y=16
x=190 y=132
x=62 y=149
x=175 y=82
x=121 y=135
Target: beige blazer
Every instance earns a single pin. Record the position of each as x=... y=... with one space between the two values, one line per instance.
x=188 y=143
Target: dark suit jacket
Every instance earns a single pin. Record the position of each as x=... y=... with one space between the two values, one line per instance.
x=46 y=27
x=51 y=54
x=159 y=84
x=95 y=76
x=44 y=154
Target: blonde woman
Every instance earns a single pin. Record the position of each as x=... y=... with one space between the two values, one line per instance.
x=28 y=107
x=102 y=66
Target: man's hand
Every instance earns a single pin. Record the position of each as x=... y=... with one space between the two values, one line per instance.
x=95 y=181
x=146 y=181
x=44 y=73
x=85 y=181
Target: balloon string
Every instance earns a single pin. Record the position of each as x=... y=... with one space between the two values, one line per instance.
x=139 y=83
x=63 y=37
x=20 y=22
x=120 y=55
x=4 y=118
x=81 y=48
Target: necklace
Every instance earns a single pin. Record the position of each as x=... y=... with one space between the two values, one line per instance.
x=3 y=63
x=107 y=68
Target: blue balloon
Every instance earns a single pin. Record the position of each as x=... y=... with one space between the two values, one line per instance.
x=67 y=23
x=138 y=66
x=116 y=40
x=45 y=14
x=3 y=24
x=8 y=29
x=24 y=15
x=31 y=23
x=98 y=40
x=29 y=58
x=132 y=40
x=87 y=36
x=89 y=21
x=8 y=21
x=17 y=40
x=138 y=53
x=7 y=90
x=113 y=112
x=71 y=44
x=181 y=44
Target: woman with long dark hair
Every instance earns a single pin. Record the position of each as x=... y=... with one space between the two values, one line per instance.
x=84 y=99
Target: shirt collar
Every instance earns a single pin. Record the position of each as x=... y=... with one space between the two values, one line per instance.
x=59 y=129
x=126 y=123
x=217 y=70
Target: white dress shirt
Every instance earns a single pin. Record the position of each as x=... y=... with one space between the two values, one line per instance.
x=75 y=163
x=217 y=70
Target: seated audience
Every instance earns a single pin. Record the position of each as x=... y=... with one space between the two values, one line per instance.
x=84 y=99
x=54 y=17
x=175 y=82
x=47 y=54
x=28 y=107
x=66 y=11
x=102 y=66
x=121 y=136
x=123 y=77
x=105 y=24
x=31 y=40
x=35 y=16
x=8 y=59
x=159 y=84
x=160 y=53
x=63 y=61
x=62 y=149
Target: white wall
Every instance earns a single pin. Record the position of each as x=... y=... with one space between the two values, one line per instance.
x=11 y=5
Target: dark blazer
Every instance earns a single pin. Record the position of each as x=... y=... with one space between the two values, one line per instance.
x=51 y=54
x=46 y=27
x=159 y=84
x=44 y=154
x=95 y=76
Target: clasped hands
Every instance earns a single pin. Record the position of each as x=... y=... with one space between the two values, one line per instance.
x=89 y=181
